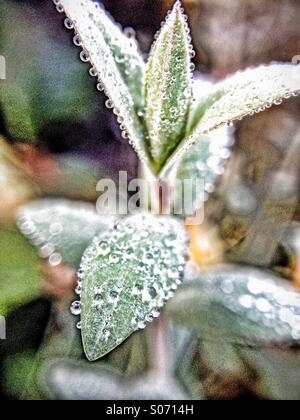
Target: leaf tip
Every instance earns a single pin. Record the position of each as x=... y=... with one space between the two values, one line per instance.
x=90 y=353
x=177 y=9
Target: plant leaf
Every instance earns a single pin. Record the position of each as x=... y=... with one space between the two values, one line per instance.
x=202 y=164
x=243 y=94
x=168 y=89
x=124 y=49
x=42 y=94
x=61 y=229
x=290 y=239
x=278 y=372
x=19 y=271
x=238 y=304
x=116 y=62
x=67 y=380
x=72 y=381
x=127 y=275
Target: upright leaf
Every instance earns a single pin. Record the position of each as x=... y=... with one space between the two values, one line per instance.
x=115 y=62
x=126 y=277
x=61 y=229
x=168 y=87
x=246 y=93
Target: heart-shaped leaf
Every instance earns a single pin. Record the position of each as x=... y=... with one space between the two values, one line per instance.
x=168 y=89
x=238 y=304
x=116 y=63
x=245 y=93
x=61 y=229
x=126 y=277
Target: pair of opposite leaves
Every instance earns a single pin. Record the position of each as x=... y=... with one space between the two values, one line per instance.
x=154 y=102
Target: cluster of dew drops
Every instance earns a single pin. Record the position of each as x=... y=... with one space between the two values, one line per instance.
x=192 y=52
x=209 y=127
x=261 y=299
x=255 y=92
x=109 y=103
x=171 y=120
x=160 y=265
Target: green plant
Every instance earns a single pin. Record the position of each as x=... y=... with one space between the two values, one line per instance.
x=132 y=269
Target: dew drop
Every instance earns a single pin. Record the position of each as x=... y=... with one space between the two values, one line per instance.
x=84 y=56
x=98 y=297
x=152 y=292
x=68 y=23
x=93 y=72
x=141 y=325
x=100 y=87
x=77 y=40
x=129 y=32
x=55 y=259
x=114 y=295
x=104 y=248
x=78 y=290
x=76 y=308
x=105 y=334
x=109 y=104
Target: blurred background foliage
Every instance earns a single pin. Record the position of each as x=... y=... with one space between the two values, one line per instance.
x=58 y=139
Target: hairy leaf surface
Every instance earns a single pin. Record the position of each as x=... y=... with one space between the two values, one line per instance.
x=238 y=304
x=61 y=229
x=116 y=63
x=168 y=87
x=126 y=277
x=245 y=93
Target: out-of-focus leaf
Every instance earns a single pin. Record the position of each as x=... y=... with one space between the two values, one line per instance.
x=17 y=186
x=201 y=165
x=245 y=93
x=277 y=371
x=130 y=358
x=126 y=277
x=17 y=372
x=238 y=304
x=61 y=229
x=73 y=381
x=19 y=271
x=168 y=89
x=102 y=42
x=221 y=358
x=77 y=178
x=224 y=374
x=66 y=380
x=38 y=90
x=291 y=239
